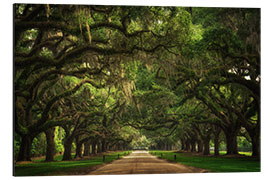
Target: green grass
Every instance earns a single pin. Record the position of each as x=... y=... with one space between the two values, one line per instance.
x=56 y=158
x=41 y=168
x=213 y=163
x=224 y=152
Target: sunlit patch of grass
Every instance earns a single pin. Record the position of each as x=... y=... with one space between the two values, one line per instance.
x=224 y=152
x=246 y=153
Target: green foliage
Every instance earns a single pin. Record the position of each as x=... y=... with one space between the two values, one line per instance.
x=244 y=144
x=145 y=75
x=16 y=144
x=59 y=135
x=46 y=52
x=39 y=145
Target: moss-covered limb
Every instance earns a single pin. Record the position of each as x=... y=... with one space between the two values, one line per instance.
x=35 y=44
x=253 y=86
x=64 y=50
x=54 y=99
x=49 y=124
x=212 y=107
x=73 y=55
x=29 y=61
x=22 y=25
x=101 y=9
x=63 y=58
x=219 y=100
x=29 y=15
x=79 y=124
x=222 y=102
x=49 y=43
x=63 y=95
x=39 y=95
x=69 y=57
x=20 y=82
x=222 y=76
x=19 y=128
x=50 y=75
x=46 y=76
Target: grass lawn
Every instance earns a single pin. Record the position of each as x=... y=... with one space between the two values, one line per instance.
x=213 y=163
x=224 y=152
x=41 y=168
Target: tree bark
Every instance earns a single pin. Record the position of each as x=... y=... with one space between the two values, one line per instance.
x=206 y=144
x=103 y=145
x=86 y=151
x=50 y=150
x=200 y=146
x=187 y=145
x=99 y=147
x=193 y=145
x=231 y=142
x=255 y=146
x=78 y=148
x=68 y=147
x=25 y=148
x=182 y=145
x=216 y=144
x=216 y=140
x=94 y=147
x=255 y=140
x=115 y=147
x=164 y=146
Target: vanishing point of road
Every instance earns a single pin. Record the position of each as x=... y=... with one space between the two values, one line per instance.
x=141 y=162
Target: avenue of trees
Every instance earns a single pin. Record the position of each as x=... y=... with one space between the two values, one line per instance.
x=95 y=78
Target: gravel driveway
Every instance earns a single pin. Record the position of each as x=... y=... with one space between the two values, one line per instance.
x=141 y=162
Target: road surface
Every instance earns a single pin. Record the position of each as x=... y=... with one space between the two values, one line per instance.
x=141 y=162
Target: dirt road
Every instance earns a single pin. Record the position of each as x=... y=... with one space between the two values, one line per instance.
x=141 y=162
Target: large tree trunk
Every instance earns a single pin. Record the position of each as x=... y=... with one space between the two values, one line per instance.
x=50 y=149
x=254 y=133
x=231 y=142
x=193 y=145
x=78 y=148
x=183 y=144
x=231 y=137
x=200 y=146
x=216 y=140
x=187 y=145
x=78 y=151
x=118 y=146
x=86 y=151
x=255 y=140
x=94 y=147
x=166 y=146
x=206 y=145
x=68 y=147
x=255 y=146
x=99 y=147
x=114 y=147
x=216 y=144
x=103 y=145
x=25 y=148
